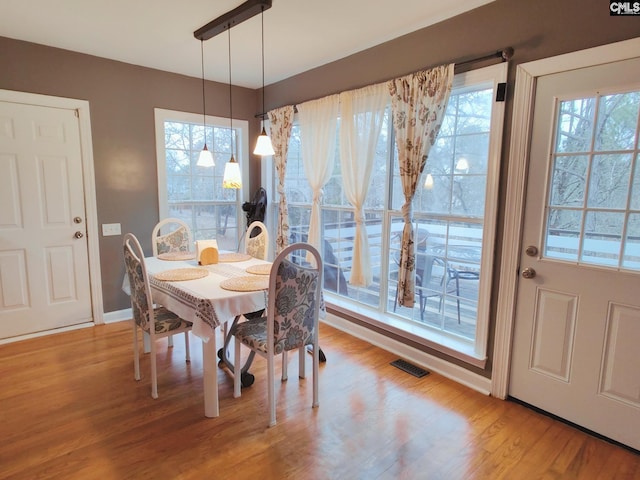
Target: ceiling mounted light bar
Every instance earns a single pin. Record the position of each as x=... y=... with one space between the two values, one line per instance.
x=233 y=17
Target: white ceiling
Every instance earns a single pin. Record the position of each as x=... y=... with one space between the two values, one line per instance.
x=299 y=34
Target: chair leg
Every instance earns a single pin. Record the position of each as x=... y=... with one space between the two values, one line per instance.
x=146 y=342
x=136 y=353
x=301 y=362
x=154 y=370
x=186 y=346
x=285 y=365
x=271 y=393
x=237 y=370
x=316 y=370
x=395 y=300
x=458 y=296
x=170 y=340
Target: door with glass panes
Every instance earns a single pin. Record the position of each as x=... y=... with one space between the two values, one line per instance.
x=577 y=326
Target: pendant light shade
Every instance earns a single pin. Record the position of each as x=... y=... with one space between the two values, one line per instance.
x=428 y=182
x=232 y=177
x=205 y=159
x=462 y=165
x=263 y=145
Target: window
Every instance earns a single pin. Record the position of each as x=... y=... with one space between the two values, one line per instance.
x=593 y=211
x=195 y=194
x=454 y=218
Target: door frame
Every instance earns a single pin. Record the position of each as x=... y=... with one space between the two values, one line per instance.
x=524 y=97
x=88 y=175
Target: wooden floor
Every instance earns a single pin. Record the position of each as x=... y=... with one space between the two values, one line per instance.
x=70 y=409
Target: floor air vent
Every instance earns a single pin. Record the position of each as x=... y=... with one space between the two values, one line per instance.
x=409 y=368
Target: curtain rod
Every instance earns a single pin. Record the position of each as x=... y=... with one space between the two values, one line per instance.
x=505 y=54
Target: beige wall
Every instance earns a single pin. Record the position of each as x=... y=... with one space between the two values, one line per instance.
x=122 y=97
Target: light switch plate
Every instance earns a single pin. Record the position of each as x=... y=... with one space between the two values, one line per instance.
x=111 y=229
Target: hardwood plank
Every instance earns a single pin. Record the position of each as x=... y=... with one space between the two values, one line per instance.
x=70 y=408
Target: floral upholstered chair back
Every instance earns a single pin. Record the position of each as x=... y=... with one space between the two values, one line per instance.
x=296 y=301
x=140 y=294
x=178 y=240
x=257 y=246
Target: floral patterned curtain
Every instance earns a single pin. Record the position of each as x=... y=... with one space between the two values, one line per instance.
x=281 y=121
x=418 y=102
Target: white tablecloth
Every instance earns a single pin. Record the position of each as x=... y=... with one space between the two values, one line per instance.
x=203 y=301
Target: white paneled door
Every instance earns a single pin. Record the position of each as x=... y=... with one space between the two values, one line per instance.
x=44 y=268
x=577 y=328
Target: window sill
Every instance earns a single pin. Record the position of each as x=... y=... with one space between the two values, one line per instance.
x=415 y=333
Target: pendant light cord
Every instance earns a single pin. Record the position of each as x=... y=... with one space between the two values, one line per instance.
x=230 y=96
x=204 y=105
x=262 y=20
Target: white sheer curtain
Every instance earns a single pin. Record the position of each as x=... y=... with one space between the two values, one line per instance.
x=361 y=117
x=418 y=101
x=281 y=121
x=318 y=123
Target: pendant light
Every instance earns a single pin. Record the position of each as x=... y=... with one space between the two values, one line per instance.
x=232 y=178
x=263 y=145
x=205 y=159
x=428 y=182
x=462 y=165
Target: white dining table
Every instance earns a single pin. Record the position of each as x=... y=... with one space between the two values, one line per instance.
x=208 y=306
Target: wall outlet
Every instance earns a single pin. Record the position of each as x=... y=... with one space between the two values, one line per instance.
x=111 y=229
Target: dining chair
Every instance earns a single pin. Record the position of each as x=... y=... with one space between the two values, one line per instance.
x=177 y=240
x=435 y=278
x=156 y=322
x=256 y=242
x=291 y=321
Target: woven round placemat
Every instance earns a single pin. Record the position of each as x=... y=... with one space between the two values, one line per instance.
x=259 y=269
x=245 y=284
x=181 y=274
x=177 y=256
x=233 y=257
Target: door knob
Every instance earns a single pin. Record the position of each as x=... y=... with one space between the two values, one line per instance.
x=528 y=272
x=79 y=235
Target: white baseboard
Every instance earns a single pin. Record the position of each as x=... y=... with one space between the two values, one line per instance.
x=110 y=317
x=412 y=355
x=46 y=332
x=118 y=316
